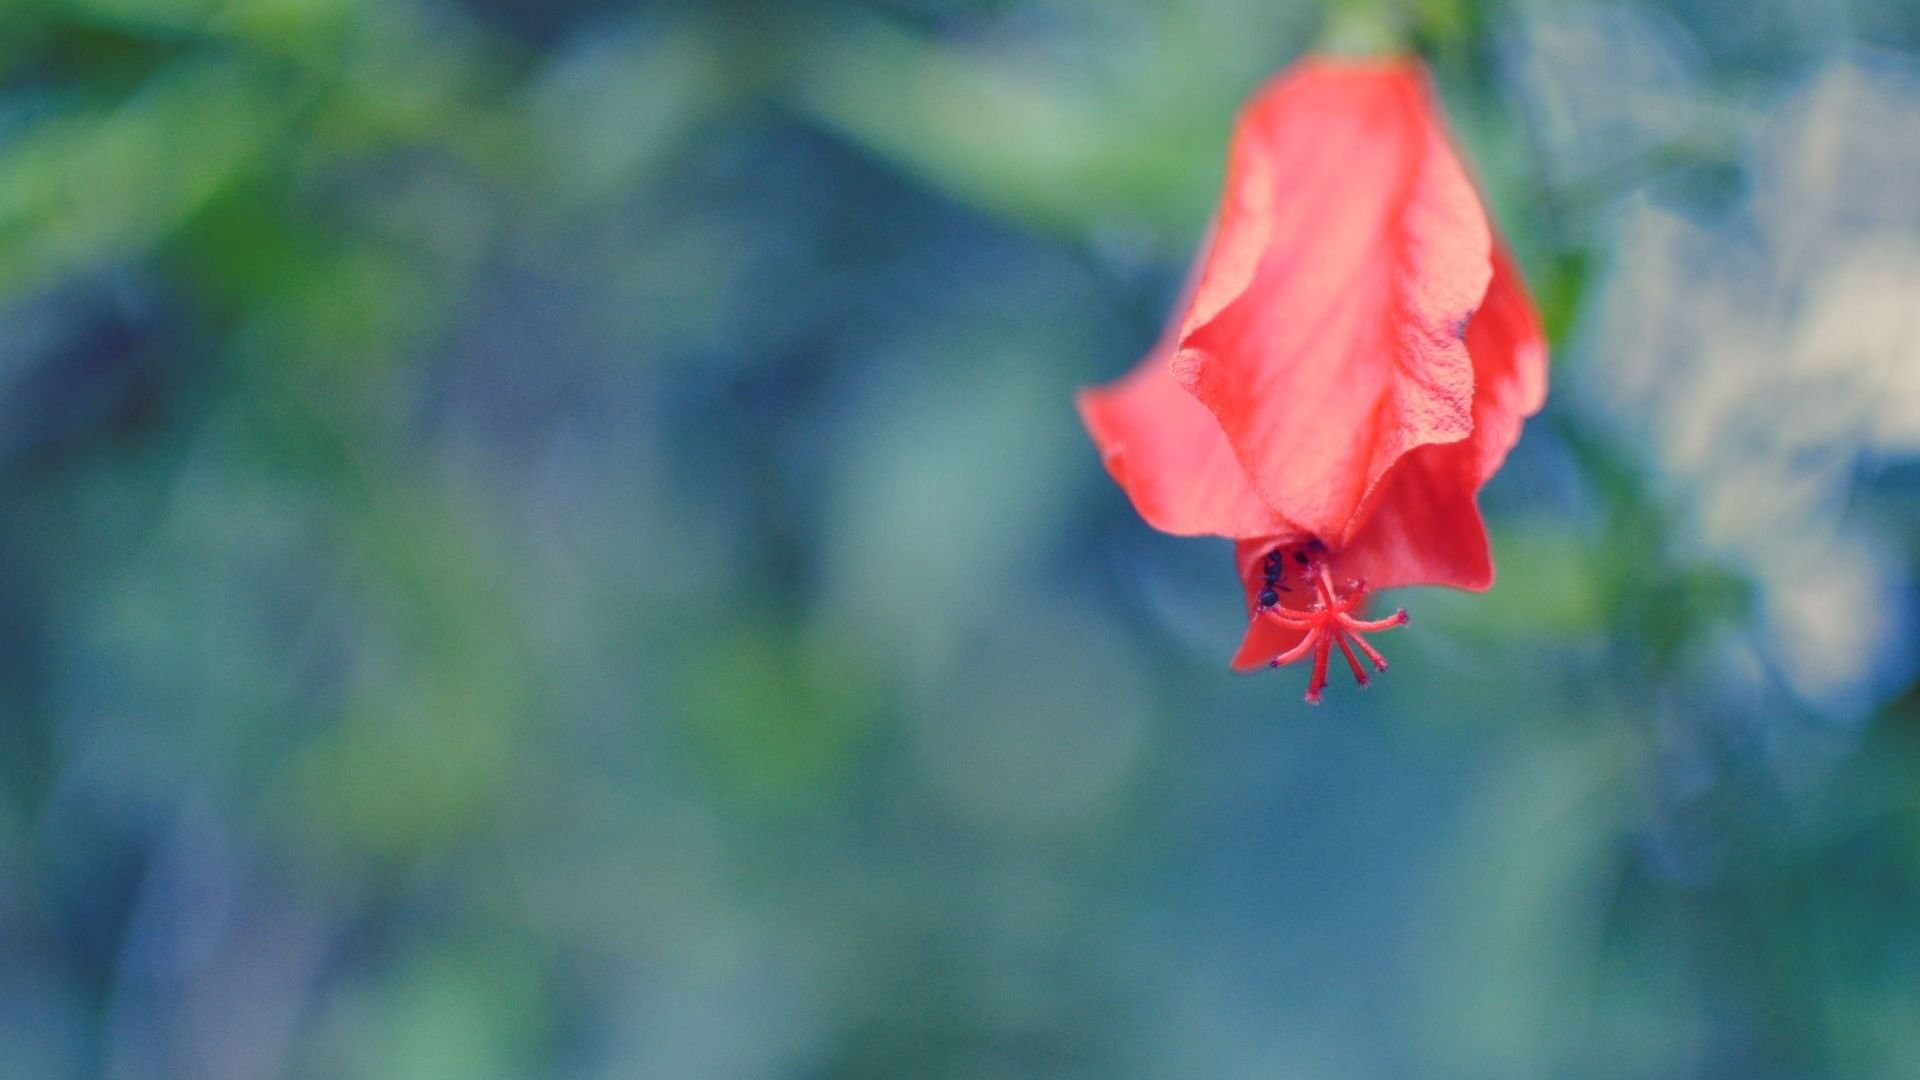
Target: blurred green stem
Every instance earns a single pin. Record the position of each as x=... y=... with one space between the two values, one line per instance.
x=1362 y=28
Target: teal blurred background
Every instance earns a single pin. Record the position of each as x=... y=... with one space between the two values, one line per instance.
x=550 y=539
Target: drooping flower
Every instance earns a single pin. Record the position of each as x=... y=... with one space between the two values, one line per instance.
x=1353 y=361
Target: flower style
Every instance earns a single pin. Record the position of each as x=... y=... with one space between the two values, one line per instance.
x=1353 y=361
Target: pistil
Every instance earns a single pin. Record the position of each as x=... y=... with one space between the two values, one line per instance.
x=1329 y=622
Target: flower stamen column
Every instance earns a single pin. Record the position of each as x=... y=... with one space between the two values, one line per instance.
x=1328 y=622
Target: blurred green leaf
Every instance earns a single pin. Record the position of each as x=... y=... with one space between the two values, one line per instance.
x=106 y=184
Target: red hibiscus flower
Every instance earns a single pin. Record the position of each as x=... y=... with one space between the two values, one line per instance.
x=1352 y=362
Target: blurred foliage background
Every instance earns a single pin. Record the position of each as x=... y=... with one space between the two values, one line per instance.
x=548 y=538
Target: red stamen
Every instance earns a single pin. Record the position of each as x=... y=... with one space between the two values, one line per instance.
x=1359 y=673
x=1327 y=622
x=1398 y=618
x=1282 y=617
x=1295 y=653
x=1319 y=680
x=1379 y=662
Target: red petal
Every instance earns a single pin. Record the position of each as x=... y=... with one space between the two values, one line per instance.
x=1351 y=248
x=1422 y=525
x=1168 y=453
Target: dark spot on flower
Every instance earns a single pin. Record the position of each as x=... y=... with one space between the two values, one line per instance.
x=1460 y=327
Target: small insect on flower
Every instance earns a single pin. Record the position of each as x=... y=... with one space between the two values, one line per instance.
x=1270 y=587
x=1353 y=360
